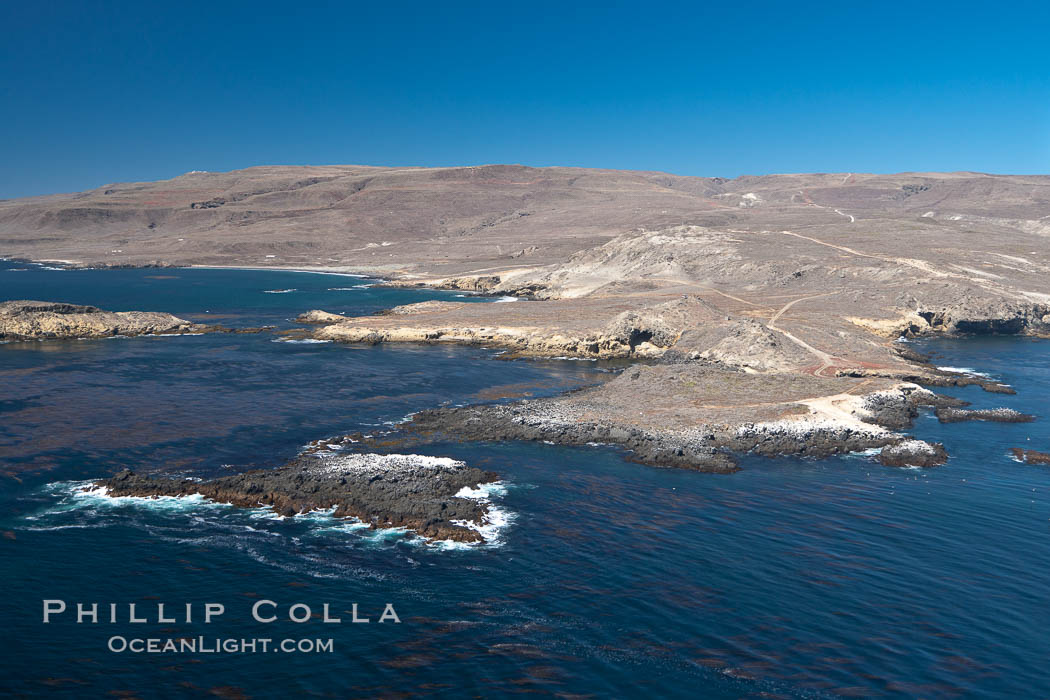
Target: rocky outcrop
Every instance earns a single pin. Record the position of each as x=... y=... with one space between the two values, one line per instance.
x=647 y=332
x=963 y=311
x=898 y=409
x=523 y=341
x=483 y=284
x=983 y=314
x=422 y=307
x=1030 y=456
x=632 y=328
x=931 y=376
x=476 y=284
x=42 y=320
x=319 y=317
x=806 y=437
x=913 y=453
x=661 y=325
x=749 y=345
x=383 y=491
x=996 y=415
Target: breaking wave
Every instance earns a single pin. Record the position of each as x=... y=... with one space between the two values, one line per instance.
x=965 y=370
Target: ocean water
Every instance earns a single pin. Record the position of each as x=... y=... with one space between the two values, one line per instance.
x=790 y=578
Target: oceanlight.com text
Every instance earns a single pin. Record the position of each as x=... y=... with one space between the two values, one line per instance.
x=218 y=645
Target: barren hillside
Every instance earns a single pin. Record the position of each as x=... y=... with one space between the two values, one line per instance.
x=801 y=281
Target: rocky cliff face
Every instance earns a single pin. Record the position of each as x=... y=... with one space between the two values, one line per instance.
x=39 y=320
x=960 y=309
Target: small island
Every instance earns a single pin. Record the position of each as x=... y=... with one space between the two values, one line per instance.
x=419 y=493
x=49 y=320
x=45 y=320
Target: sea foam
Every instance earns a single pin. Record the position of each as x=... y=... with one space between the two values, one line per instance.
x=965 y=370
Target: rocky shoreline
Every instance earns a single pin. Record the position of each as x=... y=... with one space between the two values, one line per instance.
x=707 y=398
x=816 y=428
x=383 y=491
x=628 y=335
x=740 y=363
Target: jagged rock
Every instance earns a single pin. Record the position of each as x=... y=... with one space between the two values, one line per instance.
x=523 y=341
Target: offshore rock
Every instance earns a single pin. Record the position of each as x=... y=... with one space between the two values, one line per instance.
x=1030 y=456
x=383 y=491
x=913 y=453
x=996 y=415
x=38 y=320
x=898 y=409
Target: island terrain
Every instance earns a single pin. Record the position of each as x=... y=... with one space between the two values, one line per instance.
x=758 y=315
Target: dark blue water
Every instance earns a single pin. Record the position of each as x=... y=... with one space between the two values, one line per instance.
x=792 y=578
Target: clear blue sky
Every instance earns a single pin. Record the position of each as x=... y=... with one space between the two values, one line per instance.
x=100 y=92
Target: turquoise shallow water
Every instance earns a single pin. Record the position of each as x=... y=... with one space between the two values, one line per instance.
x=793 y=578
